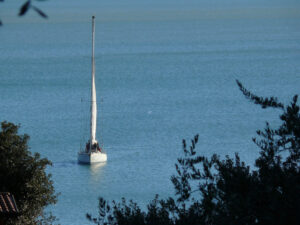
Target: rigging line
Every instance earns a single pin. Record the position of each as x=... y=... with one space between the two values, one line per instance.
x=81 y=125
x=84 y=123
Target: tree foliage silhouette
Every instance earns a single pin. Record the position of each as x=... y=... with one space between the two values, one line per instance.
x=215 y=191
x=23 y=175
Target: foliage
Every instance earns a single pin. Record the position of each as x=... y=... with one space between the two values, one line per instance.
x=215 y=191
x=24 y=175
x=28 y=5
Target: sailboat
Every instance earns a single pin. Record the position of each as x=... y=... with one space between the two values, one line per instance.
x=92 y=153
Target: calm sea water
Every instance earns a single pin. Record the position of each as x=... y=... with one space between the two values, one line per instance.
x=158 y=81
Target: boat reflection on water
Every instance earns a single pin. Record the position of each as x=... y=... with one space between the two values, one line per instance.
x=96 y=169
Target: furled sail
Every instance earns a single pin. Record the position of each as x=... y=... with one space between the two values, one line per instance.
x=93 y=90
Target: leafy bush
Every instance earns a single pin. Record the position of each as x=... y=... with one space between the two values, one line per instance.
x=23 y=175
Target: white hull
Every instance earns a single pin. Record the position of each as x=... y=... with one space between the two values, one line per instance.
x=93 y=157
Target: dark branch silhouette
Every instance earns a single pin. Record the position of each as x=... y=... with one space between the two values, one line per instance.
x=264 y=102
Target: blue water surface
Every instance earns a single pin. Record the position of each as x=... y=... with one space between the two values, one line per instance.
x=159 y=79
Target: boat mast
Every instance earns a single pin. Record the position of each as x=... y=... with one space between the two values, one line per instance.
x=93 y=91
